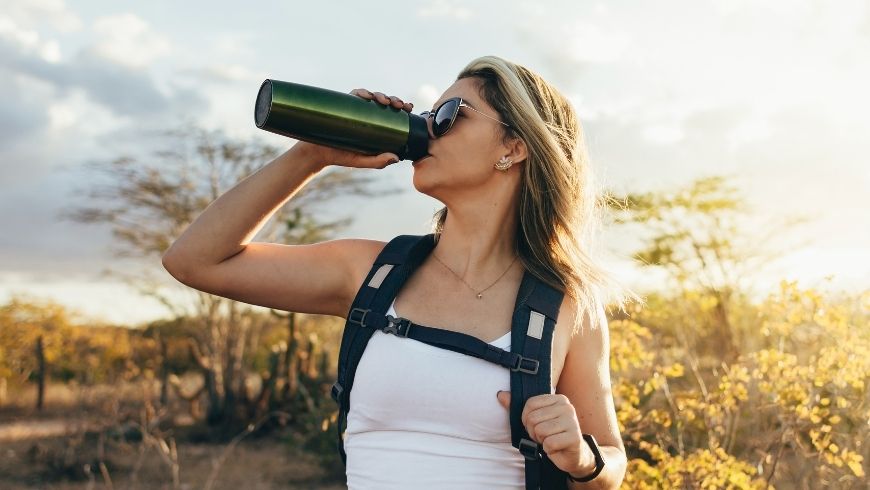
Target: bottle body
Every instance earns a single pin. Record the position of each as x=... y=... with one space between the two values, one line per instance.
x=339 y=120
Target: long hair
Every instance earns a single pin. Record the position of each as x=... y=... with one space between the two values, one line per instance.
x=559 y=208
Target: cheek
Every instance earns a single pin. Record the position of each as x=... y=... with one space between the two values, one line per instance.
x=460 y=163
x=470 y=158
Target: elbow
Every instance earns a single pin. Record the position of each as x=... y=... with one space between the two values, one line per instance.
x=174 y=265
x=621 y=468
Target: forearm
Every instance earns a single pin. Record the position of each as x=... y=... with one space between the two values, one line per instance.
x=610 y=477
x=232 y=220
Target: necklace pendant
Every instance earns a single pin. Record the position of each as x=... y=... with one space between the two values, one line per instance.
x=479 y=296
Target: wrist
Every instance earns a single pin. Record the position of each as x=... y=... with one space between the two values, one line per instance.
x=306 y=154
x=593 y=461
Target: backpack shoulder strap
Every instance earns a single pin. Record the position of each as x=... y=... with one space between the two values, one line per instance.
x=388 y=273
x=532 y=329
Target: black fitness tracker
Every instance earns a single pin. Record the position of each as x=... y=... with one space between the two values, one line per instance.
x=599 y=461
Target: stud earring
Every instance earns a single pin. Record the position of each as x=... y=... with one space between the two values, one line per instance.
x=504 y=163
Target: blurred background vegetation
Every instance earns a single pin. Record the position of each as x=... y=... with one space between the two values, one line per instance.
x=714 y=388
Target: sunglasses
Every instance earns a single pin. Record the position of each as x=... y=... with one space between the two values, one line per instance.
x=445 y=115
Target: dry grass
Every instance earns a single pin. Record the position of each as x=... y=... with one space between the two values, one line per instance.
x=261 y=464
x=77 y=443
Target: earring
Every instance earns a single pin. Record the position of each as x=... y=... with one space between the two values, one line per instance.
x=504 y=163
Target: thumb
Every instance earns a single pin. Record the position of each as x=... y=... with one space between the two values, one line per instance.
x=504 y=398
x=390 y=158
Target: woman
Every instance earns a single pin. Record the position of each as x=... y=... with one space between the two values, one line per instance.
x=511 y=170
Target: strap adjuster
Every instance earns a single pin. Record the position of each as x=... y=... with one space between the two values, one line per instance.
x=397 y=326
x=525 y=365
x=336 y=392
x=358 y=316
x=530 y=449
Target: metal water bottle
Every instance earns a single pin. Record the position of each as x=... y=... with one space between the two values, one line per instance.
x=339 y=120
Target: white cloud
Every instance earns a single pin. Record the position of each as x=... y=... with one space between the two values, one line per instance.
x=234 y=45
x=28 y=41
x=67 y=116
x=225 y=73
x=446 y=8
x=128 y=40
x=61 y=116
x=426 y=96
x=588 y=42
x=51 y=12
x=654 y=68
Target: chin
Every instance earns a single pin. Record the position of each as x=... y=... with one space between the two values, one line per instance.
x=424 y=181
x=421 y=183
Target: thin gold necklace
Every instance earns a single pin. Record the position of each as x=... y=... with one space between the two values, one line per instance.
x=479 y=293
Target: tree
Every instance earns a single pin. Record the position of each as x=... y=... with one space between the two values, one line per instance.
x=148 y=202
x=697 y=235
x=33 y=336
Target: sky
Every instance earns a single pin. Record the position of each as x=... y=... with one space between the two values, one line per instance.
x=772 y=94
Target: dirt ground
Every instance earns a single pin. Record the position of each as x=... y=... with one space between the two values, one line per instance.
x=56 y=463
x=61 y=448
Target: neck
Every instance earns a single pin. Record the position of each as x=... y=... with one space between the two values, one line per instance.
x=478 y=242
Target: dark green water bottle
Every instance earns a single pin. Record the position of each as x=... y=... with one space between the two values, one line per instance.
x=339 y=120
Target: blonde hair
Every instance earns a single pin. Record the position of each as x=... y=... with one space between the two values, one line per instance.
x=559 y=209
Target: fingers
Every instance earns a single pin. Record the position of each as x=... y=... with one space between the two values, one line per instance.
x=378 y=161
x=389 y=158
x=558 y=442
x=383 y=99
x=361 y=92
x=547 y=414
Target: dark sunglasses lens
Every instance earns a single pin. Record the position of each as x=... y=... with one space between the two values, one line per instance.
x=444 y=117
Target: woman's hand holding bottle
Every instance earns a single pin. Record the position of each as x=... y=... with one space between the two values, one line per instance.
x=325 y=155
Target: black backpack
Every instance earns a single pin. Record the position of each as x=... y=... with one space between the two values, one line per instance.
x=534 y=320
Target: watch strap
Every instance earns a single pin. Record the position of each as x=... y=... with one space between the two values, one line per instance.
x=599 y=461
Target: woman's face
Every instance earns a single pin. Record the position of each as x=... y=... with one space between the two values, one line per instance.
x=463 y=159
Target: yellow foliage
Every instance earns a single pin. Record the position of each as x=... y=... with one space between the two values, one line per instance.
x=803 y=392
x=703 y=468
x=69 y=349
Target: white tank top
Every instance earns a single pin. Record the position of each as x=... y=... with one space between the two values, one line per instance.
x=427 y=418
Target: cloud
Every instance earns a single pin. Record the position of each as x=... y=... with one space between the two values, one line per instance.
x=125 y=87
x=125 y=90
x=647 y=62
x=51 y=12
x=238 y=44
x=445 y=8
x=128 y=40
x=425 y=97
x=17 y=40
x=21 y=115
x=587 y=42
x=223 y=73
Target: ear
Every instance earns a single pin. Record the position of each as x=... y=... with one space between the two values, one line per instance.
x=517 y=150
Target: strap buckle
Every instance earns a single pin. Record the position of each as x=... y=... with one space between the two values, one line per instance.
x=360 y=318
x=530 y=449
x=525 y=364
x=397 y=326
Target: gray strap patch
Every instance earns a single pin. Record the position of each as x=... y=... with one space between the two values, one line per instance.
x=380 y=275
x=536 y=325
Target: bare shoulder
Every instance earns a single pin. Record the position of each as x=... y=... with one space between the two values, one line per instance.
x=360 y=254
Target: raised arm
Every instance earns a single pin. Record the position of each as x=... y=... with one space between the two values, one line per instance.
x=215 y=253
